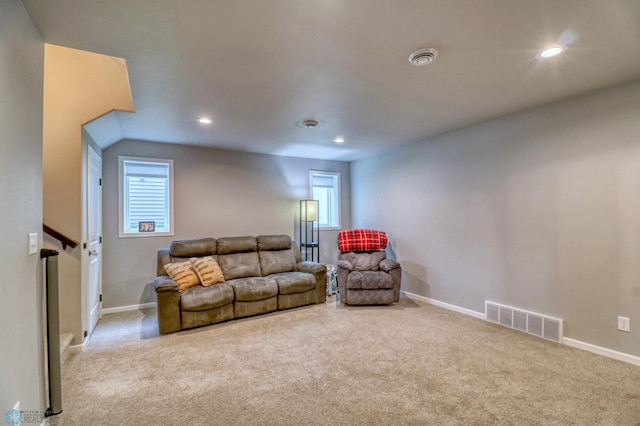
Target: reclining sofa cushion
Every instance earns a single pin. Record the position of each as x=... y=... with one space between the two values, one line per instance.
x=273 y=242
x=294 y=282
x=201 y=298
x=238 y=257
x=253 y=289
x=184 y=249
x=278 y=261
x=275 y=254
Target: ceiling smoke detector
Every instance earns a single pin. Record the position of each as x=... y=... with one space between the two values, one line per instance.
x=309 y=124
x=422 y=57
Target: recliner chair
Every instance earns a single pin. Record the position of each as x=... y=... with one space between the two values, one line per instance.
x=365 y=275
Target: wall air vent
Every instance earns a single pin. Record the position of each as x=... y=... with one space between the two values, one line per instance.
x=529 y=322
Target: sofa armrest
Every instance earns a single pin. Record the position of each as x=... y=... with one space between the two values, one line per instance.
x=168 y=305
x=388 y=265
x=319 y=271
x=311 y=267
x=345 y=264
x=164 y=284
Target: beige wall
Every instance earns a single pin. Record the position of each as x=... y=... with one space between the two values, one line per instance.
x=79 y=86
x=539 y=210
x=21 y=74
x=217 y=193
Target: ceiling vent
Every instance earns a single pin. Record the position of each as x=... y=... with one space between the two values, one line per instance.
x=422 y=57
x=309 y=124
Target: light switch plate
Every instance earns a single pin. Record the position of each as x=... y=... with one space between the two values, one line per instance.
x=33 y=243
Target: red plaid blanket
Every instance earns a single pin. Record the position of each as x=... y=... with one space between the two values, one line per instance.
x=362 y=240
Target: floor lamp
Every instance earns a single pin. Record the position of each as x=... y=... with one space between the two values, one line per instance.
x=309 y=231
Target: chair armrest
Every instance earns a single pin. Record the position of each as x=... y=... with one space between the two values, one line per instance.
x=388 y=265
x=164 y=284
x=345 y=264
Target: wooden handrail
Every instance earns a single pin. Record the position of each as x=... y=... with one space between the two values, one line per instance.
x=66 y=241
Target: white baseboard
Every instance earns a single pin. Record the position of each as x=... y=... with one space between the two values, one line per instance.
x=128 y=308
x=74 y=349
x=455 y=308
x=609 y=353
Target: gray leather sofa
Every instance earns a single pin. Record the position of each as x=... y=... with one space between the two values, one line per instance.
x=262 y=274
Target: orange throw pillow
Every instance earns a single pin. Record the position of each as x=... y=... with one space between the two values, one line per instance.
x=183 y=274
x=208 y=270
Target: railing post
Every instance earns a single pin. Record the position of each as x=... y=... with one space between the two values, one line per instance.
x=53 y=332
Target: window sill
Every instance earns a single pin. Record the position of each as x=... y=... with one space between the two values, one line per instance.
x=146 y=235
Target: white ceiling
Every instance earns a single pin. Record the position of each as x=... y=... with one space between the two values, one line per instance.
x=259 y=67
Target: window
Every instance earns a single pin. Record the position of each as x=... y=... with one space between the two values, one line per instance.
x=145 y=197
x=325 y=187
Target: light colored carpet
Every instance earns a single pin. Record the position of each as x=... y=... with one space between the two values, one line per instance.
x=412 y=363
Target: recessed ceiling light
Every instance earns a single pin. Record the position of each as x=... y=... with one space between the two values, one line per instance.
x=339 y=139
x=551 y=51
x=205 y=120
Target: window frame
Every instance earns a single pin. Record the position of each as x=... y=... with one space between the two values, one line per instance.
x=122 y=191
x=338 y=177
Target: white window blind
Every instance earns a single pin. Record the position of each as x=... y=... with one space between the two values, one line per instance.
x=146 y=196
x=325 y=187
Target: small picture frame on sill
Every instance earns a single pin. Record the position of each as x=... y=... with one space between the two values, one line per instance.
x=149 y=226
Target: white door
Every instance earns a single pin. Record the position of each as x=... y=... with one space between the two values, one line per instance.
x=94 y=233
